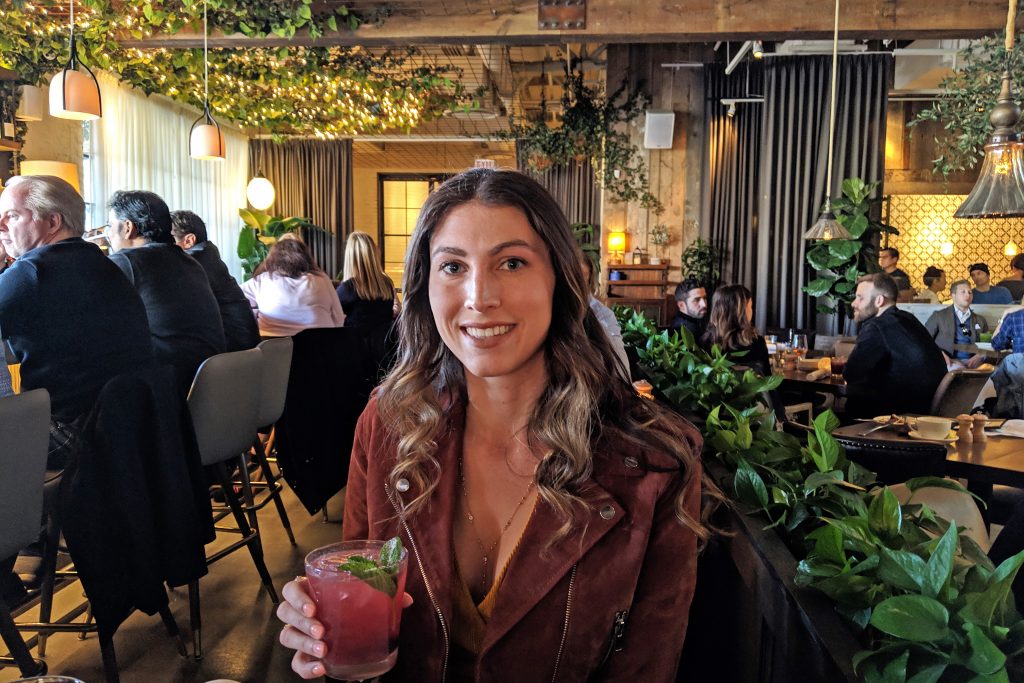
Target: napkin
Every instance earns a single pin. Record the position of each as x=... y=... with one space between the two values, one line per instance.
x=818 y=374
x=1012 y=428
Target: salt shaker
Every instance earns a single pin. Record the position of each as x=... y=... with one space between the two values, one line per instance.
x=979 y=427
x=966 y=423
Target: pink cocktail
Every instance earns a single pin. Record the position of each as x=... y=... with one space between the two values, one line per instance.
x=360 y=617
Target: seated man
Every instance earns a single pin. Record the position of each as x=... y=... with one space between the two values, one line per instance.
x=888 y=261
x=692 y=302
x=1015 y=283
x=958 y=324
x=895 y=366
x=240 y=329
x=1010 y=333
x=985 y=293
x=184 y=319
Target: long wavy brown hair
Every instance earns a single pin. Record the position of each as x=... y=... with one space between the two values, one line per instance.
x=727 y=323
x=289 y=258
x=580 y=404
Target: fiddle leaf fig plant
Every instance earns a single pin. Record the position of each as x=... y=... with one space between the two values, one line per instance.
x=840 y=262
x=260 y=232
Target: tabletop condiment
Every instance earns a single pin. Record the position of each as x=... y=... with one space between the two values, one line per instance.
x=979 y=427
x=966 y=424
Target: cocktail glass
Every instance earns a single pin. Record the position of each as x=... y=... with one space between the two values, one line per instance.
x=800 y=345
x=360 y=620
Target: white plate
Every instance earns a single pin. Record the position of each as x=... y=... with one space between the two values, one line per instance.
x=987 y=346
x=914 y=434
x=883 y=419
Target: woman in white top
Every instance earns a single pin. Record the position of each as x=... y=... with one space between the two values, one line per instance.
x=935 y=285
x=289 y=293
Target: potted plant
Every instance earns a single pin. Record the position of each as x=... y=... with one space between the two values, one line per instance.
x=700 y=260
x=658 y=236
x=261 y=231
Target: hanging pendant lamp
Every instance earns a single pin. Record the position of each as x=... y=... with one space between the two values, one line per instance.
x=260 y=191
x=74 y=94
x=999 y=191
x=205 y=139
x=827 y=227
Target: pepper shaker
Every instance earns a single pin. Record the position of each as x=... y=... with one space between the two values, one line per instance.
x=966 y=424
x=979 y=427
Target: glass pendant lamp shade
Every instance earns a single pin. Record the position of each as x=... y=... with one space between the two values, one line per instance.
x=32 y=105
x=205 y=139
x=827 y=227
x=260 y=192
x=75 y=95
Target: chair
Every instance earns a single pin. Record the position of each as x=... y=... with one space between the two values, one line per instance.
x=957 y=392
x=895 y=461
x=225 y=402
x=844 y=346
x=953 y=506
x=24 y=433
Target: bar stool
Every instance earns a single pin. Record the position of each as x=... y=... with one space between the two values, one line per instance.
x=24 y=433
x=224 y=402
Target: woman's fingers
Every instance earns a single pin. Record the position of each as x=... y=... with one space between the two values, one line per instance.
x=296 y=592
x=295 y=639
x=306 y=625
x=406 y=600
x=307 y=667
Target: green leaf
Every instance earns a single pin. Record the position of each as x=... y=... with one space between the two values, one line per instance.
x=828 y=544
x=391 y=554
x=749 y=486
x=820 y=286
x=902 y=569
x=940 y=564
x=858 y=226
x=896 y=670
x=246 y=243
x=885 y=515
x=985 y=657
x=981 y=607
x=916 y=618
x=844 y=249
x=929 y=674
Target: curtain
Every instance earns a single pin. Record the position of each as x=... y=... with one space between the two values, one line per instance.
x=572 y=186
x=731 y=164
x=141 y=143
x=312 y=179
x=794 y=153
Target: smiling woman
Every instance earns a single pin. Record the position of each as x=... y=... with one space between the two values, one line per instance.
x=547 y=508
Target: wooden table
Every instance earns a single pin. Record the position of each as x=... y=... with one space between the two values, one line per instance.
x=974 y=348
x=797 y=379
x=997 y=460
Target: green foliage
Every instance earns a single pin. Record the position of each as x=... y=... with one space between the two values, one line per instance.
x=840 y=262
x=591 y=248
x=590 y=130
x=285 y=90
x=924 y=598
x=969 y=96
x=700 y=260
x=260 y=232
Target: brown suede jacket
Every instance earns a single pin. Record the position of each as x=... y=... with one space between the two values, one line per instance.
x=609 y=602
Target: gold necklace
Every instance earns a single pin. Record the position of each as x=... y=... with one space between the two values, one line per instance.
x=469 y=516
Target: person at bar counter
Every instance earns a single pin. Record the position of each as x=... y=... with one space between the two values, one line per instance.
x=692 y=302
x=895 y=366
x=934 y=285
x=888 y=261
x=1015 y=283
x=731 y=327
x=367 y=294
x=240 y=330
x=984 y=292
x=549 y=512
x=184 y=318
x=958 y=324
x=70 y=317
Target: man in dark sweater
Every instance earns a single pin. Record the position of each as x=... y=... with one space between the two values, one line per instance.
x=70 y=317
x=240 y=329
x=895 y=366
x=184 y=318
x=692 y=302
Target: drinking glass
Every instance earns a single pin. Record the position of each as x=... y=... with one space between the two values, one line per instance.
x=360 y=619
x=800 y=345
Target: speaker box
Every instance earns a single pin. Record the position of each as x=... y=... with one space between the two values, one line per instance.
x=658 y=129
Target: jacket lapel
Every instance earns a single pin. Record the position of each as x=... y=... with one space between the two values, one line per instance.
x=537 y=568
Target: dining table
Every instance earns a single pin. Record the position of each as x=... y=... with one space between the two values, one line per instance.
x=799 y=380
x=984 y=348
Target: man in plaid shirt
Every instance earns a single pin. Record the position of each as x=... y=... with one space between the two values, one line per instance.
x=1011 y=333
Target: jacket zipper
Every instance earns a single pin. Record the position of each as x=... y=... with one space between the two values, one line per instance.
x=565 y=623
x=426 y=582
x=618 y=635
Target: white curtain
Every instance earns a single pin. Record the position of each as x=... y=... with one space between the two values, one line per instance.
x=141 y=143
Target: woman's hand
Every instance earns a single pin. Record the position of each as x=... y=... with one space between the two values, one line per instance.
x=302 y=632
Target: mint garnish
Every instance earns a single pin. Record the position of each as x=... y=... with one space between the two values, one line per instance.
x=382 y=573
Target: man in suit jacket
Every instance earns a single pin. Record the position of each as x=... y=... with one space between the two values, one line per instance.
x=958 y=324
x=895 y=366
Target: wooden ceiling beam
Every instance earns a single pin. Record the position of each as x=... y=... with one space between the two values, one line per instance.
x=629 y=21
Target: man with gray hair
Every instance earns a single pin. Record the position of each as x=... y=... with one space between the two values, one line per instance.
x=69 y=315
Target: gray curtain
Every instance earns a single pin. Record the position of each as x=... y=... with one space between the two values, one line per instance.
x=313 y=179
x=731 y=164
x=794 y=154
x=573 y=187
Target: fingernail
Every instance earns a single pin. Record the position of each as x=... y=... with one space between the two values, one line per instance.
x=316 y=631
x=318 y=650
x=319 y=669
x=307 y=608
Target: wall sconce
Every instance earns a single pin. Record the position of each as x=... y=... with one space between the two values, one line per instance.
x=946 y=249
x=65 y=171
x=617 y=244
x=1011 y=249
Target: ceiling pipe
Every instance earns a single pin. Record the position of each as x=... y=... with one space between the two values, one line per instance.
x=740 y=54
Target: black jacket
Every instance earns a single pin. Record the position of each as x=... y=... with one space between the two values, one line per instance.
x=894 y=368
x=135 y=506
x=696 y=326
x=240 y=329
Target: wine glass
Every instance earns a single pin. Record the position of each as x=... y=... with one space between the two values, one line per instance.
x=800 y=345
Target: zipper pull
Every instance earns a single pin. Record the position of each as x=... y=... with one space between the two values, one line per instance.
x=619 y=630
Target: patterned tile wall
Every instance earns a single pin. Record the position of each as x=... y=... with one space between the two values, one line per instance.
x=930 y=236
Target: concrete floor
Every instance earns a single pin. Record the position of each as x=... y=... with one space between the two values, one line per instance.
x=239 y=626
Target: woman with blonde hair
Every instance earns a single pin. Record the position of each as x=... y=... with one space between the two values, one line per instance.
x=731 y=327
x=289 y=292
x=547 y=509
x=367 y=294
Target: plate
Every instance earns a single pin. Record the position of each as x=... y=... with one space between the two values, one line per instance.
x=914 y=434
x=884 y=419
x=987 y=346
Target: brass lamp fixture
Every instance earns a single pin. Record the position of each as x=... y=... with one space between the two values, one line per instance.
x=205 y=138
x=73 y=94
x=999 y=191
x=827 y=227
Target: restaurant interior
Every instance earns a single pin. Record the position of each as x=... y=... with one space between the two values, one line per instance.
x=871 y=528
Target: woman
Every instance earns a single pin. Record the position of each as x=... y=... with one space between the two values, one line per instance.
x=367 y=295
x=289 y=293
x=731 y=327
x=546 y=509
